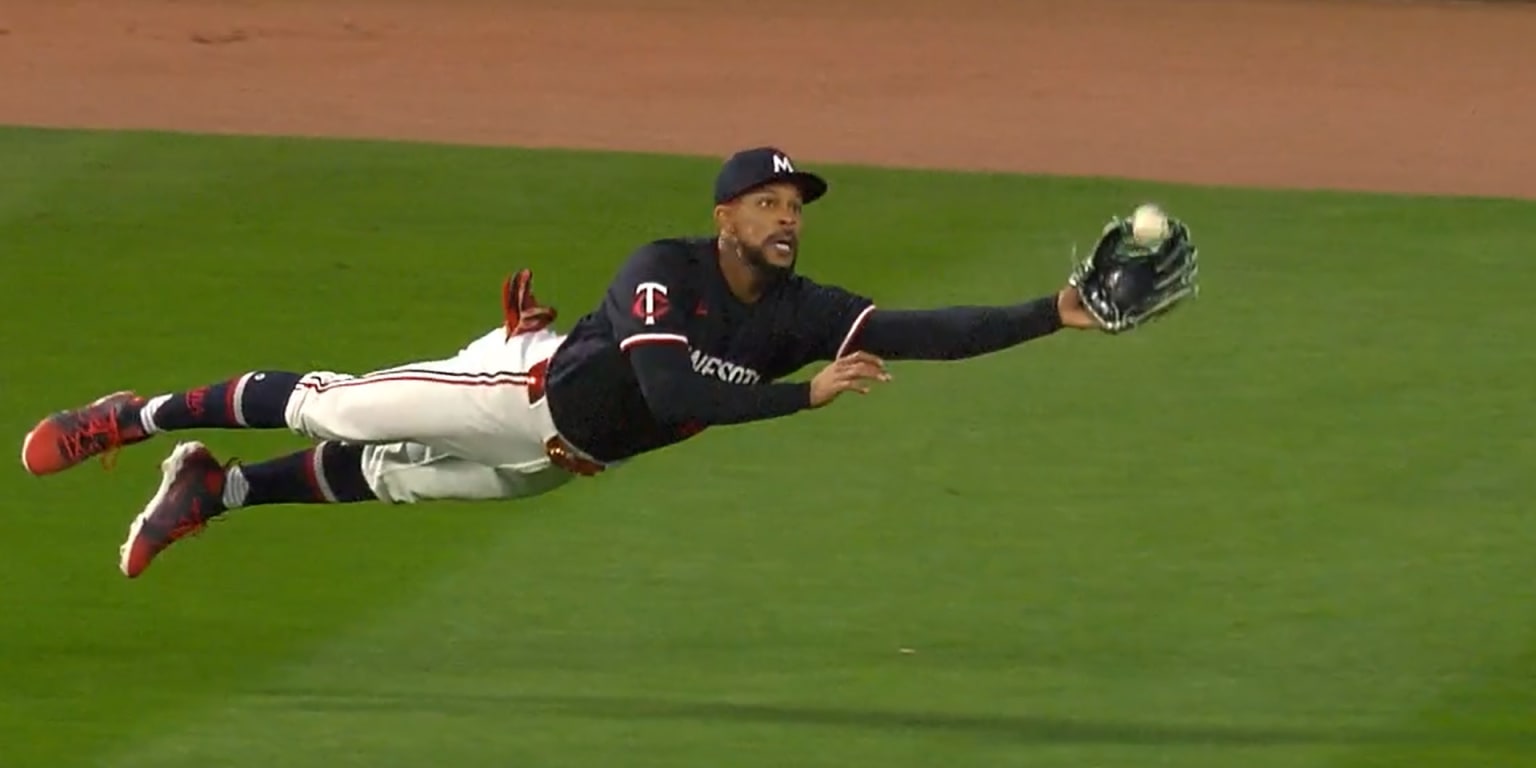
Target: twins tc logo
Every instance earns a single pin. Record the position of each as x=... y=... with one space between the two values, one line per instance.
x=650 y=302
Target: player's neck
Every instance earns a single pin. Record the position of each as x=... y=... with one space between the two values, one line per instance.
x=746 y=283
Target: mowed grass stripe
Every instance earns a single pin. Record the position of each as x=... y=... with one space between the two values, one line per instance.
x=1251 y=535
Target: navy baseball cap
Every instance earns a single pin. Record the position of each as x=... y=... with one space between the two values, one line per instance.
x=751 y=168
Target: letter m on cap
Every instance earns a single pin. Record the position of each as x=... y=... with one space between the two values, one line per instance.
x=781 y=164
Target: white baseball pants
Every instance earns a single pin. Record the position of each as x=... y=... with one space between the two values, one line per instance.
x=471 y=427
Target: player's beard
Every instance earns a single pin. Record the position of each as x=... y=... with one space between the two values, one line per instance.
x=756 y=257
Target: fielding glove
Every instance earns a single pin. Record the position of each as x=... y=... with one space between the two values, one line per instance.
x=1126 y=283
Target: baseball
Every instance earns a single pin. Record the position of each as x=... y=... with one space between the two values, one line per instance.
x=1149 y=225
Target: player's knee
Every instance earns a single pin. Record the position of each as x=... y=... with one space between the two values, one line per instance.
x=408 y=473
x=333 y=414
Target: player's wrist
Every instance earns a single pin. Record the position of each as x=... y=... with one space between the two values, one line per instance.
x=1050 y=309
x=804 y=394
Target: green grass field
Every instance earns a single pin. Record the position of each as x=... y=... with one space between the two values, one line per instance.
x=1289 y=526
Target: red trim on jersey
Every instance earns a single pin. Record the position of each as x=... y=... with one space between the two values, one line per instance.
x=651 y=338
x=853 y=330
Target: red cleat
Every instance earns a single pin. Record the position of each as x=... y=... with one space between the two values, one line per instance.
x=67 y=438
x=191 y=492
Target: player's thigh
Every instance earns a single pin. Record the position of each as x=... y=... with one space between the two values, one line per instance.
x=476 y=404
x=409 y=472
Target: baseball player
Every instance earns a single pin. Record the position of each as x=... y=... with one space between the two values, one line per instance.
x=691 y=333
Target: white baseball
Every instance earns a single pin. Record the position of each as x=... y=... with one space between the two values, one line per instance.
x=1149 y=225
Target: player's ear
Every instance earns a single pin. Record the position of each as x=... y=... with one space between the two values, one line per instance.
x=723 y=220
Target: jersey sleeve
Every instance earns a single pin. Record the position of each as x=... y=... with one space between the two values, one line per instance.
x=956 y=333
x=643 y=300
x=830 y=320
x=644 y=305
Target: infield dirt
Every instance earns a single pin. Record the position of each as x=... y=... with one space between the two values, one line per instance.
x=1418 y=97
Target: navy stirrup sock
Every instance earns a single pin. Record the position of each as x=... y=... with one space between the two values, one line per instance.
x=329 y=473
x=255 y=400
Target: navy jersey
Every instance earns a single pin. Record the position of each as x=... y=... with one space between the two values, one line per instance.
x=672 y=292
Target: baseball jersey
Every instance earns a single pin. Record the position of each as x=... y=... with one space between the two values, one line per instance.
x=671 y=296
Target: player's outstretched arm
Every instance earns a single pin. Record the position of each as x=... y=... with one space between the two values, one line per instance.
x=955 y=333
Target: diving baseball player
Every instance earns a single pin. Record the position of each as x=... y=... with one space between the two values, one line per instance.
x=691 y=333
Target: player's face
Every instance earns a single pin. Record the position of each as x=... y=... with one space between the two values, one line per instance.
x=766 y=222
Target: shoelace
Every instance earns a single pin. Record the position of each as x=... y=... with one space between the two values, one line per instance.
x=98 y=429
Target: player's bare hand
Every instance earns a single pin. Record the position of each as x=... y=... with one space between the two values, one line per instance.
x=851 y=373
x=1069 y=304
